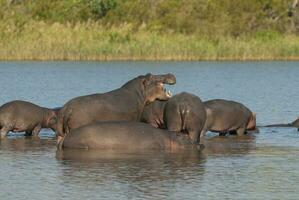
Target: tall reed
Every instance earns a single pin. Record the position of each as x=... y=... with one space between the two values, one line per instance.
x=37 y=40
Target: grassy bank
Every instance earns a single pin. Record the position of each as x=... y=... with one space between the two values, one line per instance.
x=37 y=40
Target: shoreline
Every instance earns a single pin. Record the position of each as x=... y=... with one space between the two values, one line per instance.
x=153 y=59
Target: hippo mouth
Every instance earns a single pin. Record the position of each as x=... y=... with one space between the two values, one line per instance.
x=168 y=79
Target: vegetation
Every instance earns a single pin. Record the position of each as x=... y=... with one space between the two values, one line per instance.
x=149 y=29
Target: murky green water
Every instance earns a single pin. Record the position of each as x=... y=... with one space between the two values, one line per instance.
x=256 y=166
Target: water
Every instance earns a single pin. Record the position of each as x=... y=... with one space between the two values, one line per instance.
x=256 y=166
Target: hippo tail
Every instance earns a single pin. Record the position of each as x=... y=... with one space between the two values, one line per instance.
x=65 y=121
x=63 y=118
x=184 y=110
x=60 y=144
x=59 y=126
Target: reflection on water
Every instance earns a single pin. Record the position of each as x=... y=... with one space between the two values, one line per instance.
x=146 y=174
x=262 y=165
x=229 y=145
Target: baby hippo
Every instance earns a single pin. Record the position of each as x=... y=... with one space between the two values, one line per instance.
x=225 y=116
x=183 y=112
x=19 y=116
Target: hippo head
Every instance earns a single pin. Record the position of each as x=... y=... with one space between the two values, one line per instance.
x=151 y=87
x=252 y=122
x=296 y=123
x=154 y=87
x=51 y=120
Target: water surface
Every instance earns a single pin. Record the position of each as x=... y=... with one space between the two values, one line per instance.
x=256 y=166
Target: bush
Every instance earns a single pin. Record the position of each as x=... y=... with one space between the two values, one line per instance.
x=100 y=8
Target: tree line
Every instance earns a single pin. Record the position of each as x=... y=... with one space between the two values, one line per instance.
x=203 y=17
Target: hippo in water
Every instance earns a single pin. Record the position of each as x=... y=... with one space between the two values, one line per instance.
x=19 y=116
x=225 y=116
x=153 y=114
x=125 y=135
x=183 y=112
x=123 y=104
x=292 y=124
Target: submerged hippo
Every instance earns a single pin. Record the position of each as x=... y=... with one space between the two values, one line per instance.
x=292 y=124
x=225 y=116
x=124 y=135
x=183 y=112
x=19 y=116
x=123 y=104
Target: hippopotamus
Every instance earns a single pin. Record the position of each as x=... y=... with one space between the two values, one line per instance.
x=292 y=124
x=225 y=116
x=153 y=114
x=125 y=135
x=183 y=112
x=123 y=104
x=19 y=116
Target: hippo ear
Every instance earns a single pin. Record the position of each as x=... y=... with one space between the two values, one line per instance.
x=148 y=75
x=147 y=79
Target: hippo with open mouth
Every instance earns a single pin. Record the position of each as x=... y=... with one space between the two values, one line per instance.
x=123 y=104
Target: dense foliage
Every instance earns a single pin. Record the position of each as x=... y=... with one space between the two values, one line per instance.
x=149 y=29
x=203 y=17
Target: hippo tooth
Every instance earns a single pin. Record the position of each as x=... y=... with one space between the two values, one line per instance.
x=169 y=93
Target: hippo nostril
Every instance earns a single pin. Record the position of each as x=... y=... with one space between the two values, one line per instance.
x=166 y=78
x=170 y=79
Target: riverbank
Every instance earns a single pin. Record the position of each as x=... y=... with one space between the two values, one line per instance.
x=37 y=40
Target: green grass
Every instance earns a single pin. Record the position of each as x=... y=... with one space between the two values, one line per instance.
x=37 y=40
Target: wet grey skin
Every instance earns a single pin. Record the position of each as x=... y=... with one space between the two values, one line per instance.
x=123 y=104
x=225 y=116
x=127 y=136
x=23 y=116
x=182 y=113
x=292 y=124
